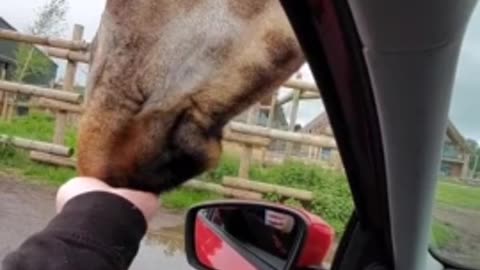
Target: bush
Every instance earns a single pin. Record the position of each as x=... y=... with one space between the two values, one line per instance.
x=183 y=198
x=228 y=166
x=332 y=199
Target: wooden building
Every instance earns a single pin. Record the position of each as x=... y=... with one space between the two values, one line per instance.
x=455 y=154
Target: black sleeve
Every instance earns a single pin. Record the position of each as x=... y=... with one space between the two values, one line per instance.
x=96 y=230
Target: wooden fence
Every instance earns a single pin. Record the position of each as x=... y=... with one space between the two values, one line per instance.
x=61 y=102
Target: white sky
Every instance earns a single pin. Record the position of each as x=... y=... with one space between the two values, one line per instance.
x=465 y=107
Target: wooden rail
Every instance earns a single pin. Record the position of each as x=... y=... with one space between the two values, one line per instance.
x=68 y=55
x=58 y=105
x=50 y=148
x=44 y=41
x=228 y=192
x=245 y=139
x=301 y=85
x=288 y=192
x=53 y=159
x=314 y=140
x=290 y=96
x=39 y=91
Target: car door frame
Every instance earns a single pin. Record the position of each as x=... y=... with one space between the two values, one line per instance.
x=349 y=52
x=332 y=47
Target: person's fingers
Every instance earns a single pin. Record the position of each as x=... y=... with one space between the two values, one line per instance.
x=146 y=202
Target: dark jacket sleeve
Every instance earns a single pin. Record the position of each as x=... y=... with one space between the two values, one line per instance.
x=95 y=230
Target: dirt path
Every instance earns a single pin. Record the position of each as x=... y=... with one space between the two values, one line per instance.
x=26 y=208
x=465 y=225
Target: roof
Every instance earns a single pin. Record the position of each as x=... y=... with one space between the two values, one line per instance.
x=5 y=46
x=6 y=49
x=5 y=25
x=320 y=122
x=456 y=137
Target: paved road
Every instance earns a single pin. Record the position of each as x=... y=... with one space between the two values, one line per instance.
x=26 y=208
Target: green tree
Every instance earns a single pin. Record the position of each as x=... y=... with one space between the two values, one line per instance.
x=30 y=62
x=50 y=20
x=474 y=164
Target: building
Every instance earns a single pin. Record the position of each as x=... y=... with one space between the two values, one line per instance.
x=455 y=155
x=320 y=125
x=262 y=116
x=9 y=64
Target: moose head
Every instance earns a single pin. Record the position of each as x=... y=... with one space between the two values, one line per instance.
x=165 y=78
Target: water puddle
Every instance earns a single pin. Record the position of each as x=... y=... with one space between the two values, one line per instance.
x=162 y=249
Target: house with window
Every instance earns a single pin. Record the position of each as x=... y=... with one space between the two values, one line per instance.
x=263 y=114
x=8 y=63
x=320 y=125
x=455 y=154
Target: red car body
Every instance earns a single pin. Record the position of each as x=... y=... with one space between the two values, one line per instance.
x=216 y=253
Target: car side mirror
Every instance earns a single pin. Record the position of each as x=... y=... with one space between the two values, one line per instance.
x=253 y=235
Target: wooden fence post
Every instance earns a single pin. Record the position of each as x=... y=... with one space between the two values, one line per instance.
x=68 y=85
x=247 y=150
x=294 y=112
x=293 y=119
x=474 y=169
x=12 y=106
x=3 y=94
x=271 y=113
x=245 y=161
x=6 y=97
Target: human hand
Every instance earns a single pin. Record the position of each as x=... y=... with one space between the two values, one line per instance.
x=146 y=202
x=279 y=221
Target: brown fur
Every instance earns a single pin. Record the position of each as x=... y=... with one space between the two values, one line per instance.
x=247 y=9
x=166 y=79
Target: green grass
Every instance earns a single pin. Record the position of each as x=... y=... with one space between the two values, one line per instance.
x=183 y=198
x=442 y=235
x=458 y=195
x=18 y=162
x=36 y=126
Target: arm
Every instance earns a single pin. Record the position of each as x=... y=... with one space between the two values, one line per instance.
x=94 y=230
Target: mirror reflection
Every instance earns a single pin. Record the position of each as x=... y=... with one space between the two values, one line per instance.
x=245 y=235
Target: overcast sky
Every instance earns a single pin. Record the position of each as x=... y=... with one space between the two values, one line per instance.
x=465 y=109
